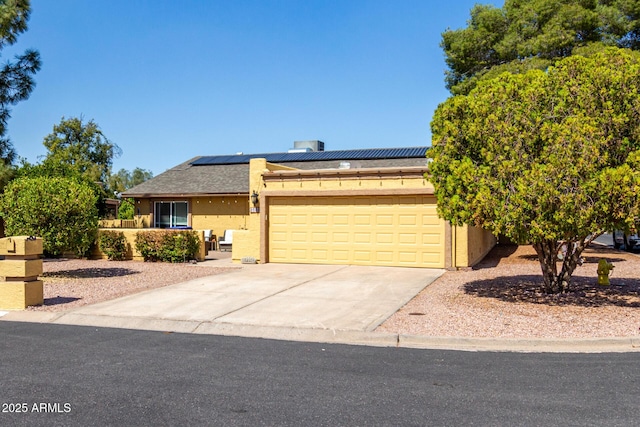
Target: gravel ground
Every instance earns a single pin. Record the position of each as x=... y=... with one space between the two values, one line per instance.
x=500 y=298
x=71 y=283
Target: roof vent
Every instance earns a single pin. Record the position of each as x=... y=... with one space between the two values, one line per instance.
x=313 y=145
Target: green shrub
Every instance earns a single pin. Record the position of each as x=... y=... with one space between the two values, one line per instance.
x=148 y=244
x=60 y=210
x=113 y=244
x=167 y=246
x=126 y=209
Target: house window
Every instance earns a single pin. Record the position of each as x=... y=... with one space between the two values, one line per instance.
x=170 y=214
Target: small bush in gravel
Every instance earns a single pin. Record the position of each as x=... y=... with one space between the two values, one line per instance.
x=113 y=244
x=168 y=246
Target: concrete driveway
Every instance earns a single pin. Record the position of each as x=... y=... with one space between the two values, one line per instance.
x=317 y=297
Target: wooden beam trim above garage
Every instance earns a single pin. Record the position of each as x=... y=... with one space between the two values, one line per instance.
x=364 y=173
x=358 y=192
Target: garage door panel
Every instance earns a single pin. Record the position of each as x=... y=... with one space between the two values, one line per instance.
x=430 y=219
x=319 y=254
x=389 y=230
x=362 y=238
x=299 y=254
x=299 y=237
x=340 y=237
x=279 y=236
x=340 y=220
x=407 y=238
x=340 y=255
x=278 y=219
x=362 y=256
x=432 y=239
x=319 y=219
x=384 y=256
x=384 y=238
x=321 y=237
x=299 y=219
x=407 y=220
x=384 y=219
x=360 y=219
x=278 y=255
x=431 y=260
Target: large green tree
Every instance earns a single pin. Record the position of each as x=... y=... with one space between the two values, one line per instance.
x=16 y=77
x=533 y=34
x=50 y=169
x=61 y=210
x=83 y=147
x=550 y=158
x=124 y=180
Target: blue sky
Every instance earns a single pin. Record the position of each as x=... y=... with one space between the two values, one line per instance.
x=167 y=81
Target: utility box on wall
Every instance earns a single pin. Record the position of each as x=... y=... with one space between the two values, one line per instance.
x=19 y=270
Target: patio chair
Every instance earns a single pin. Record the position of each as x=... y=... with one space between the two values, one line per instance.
x=210 y=240
x=226 y=241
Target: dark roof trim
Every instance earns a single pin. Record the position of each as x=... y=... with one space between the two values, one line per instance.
x=174 y=195
x=309 y=156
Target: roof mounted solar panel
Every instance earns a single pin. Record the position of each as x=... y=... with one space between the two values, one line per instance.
x=361 y=154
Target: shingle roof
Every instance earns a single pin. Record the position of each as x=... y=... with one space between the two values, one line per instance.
x=186 y=179
x=213 y=175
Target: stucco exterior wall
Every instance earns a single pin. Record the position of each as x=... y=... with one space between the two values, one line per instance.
x=216 y=213
x=246 y=243
x=472 y=244
x=219 y=213
x=132 y=253
x=142 y=212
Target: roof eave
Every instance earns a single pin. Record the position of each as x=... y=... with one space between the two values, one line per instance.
x=174 y=195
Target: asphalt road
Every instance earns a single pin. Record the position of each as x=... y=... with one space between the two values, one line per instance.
x=72 y=375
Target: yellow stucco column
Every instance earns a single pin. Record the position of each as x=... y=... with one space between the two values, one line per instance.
x=20 y=269
x=246 y=243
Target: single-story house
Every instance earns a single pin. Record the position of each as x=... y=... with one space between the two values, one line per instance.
x=307 y=205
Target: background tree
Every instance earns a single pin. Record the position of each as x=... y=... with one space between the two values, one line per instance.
x=81 y=146
x=548 y=158
x=533 y=34
x=6 y=174
x=60 y=210
x=124 y=180
x=126 y=209
x=16 y=78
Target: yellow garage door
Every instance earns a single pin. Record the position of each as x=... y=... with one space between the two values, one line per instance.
x=376 y=230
